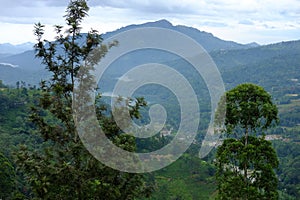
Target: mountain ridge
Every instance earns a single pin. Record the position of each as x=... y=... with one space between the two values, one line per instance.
x=9 y=49
x=226 y=54
x=207 y=40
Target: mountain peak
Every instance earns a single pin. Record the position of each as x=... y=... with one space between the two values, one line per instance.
x=207 y=40
x=253 y=44
x=7 y=48
x=163 y=23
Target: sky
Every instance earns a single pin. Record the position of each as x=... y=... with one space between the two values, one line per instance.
x=243 y=21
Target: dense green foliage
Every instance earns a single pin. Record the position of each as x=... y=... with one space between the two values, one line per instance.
x=14 y=130
x=259 y=157
x=7 y=177
x=288 y=172
x=250 y=108
x=245 y=164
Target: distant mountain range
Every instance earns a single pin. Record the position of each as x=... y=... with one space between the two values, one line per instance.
x=8 y=49
x=207 y=40
x=231 y=58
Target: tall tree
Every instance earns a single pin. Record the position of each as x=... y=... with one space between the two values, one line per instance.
x=245 y=161
x=60 y=167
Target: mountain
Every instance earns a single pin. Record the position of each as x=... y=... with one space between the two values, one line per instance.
x=207 y=40
x=25 y=60
x=271 y=65
x=233 y=59
x=253 y=44
x=11 y=74
x=8 y=48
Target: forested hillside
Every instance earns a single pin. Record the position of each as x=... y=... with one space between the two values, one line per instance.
x=193 y=176
x=43 y=155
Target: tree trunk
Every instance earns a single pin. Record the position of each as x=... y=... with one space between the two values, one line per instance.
x=245 y=164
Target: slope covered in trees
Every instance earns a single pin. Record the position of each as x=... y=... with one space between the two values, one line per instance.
x=52 y=163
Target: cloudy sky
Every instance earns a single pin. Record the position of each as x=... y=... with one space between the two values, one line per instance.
x=244 y=21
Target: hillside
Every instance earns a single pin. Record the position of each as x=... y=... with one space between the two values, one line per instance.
x=271 y=66
x=27 y=61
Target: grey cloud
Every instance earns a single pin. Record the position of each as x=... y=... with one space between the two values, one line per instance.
x=56 y=3
x=111 y=3
x=246 y=22
x=29 y=11
x=214 y=24
x=32 y=3
x=268 y=26
x=145 y=6
x=17 y=20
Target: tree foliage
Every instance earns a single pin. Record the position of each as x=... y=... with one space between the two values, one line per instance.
x=60 y=167
x=250 y=108
x=7 y=177
x=245 y=163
